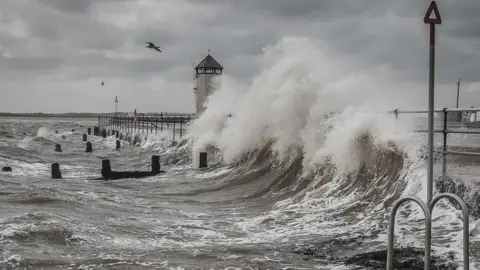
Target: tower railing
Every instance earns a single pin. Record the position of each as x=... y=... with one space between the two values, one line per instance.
x=427 y=210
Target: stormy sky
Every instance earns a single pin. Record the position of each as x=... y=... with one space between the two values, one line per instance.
x=54 y=54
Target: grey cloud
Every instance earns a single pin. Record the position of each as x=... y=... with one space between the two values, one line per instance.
x=73 y=6
x=25 y=64
x=69 y=41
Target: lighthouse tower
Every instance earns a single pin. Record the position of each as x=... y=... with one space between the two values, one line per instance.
x=207 y=73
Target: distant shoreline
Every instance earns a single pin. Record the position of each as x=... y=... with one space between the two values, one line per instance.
x=82 y=115
x=60 y=115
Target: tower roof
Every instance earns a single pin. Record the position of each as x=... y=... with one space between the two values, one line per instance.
x=209 y=62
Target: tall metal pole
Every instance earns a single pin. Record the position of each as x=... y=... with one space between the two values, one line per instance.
x=458 y=90
x=431 y=92
x=431 y=107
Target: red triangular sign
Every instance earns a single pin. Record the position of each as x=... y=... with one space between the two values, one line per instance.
x=432 y=10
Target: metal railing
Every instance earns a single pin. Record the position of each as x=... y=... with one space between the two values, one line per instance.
x=446 y=130
x=428 y=210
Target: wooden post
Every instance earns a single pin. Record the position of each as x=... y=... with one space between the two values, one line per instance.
x=84 y=137
x=58 y=148
x=55 y=169
x=203 y=160
x=181 y=126
x=174 y=129
x=89 y=131
x=89 y=148
x=156 y=164
x=106 y=169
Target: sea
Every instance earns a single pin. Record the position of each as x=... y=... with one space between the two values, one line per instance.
x=260 y=211
x=304 y=165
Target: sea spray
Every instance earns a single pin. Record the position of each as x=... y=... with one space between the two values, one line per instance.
x=287 y=102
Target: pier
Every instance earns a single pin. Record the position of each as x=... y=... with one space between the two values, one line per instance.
x=147 y=124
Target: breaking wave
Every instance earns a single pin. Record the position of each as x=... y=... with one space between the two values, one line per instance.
x=304 y=135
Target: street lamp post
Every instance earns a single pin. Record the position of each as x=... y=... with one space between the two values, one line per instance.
x=458 y=90
x=116 y=103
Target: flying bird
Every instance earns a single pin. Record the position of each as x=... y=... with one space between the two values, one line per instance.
x=103 y=83
x=152 y=46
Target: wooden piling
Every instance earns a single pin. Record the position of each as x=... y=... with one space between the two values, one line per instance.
x=203 y=160
x=156 y=164
x=106 y=169
x=55 y=169
x=58 y=148
x=89 y=147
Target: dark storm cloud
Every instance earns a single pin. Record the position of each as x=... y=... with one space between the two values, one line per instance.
x=82 y=42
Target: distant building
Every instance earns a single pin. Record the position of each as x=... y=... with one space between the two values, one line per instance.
x=207 y=73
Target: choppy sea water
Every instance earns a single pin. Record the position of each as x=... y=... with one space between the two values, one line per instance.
x=255 y=213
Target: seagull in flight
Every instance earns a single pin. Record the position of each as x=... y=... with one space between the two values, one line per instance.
x=152 y=46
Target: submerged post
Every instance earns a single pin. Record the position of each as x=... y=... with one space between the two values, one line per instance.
x=89 y=147
x=156 y=164
x=106 y=169
x=104 y=133
x=203 y=160
x=89 y=131
x=56 y=173
x=84 y=137
x=58 y=148
x=431 y=91
x=117 y=144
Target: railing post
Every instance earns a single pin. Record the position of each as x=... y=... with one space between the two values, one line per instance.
x=391 y=230
x=466 y=244
x=444 y=154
